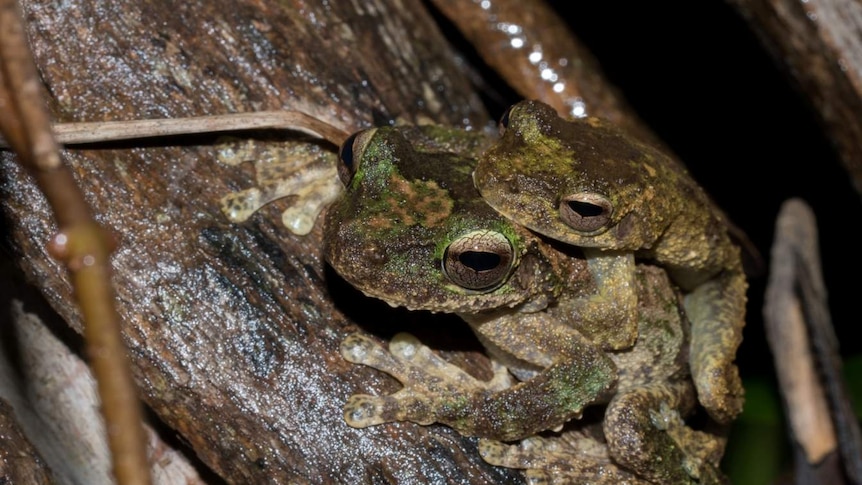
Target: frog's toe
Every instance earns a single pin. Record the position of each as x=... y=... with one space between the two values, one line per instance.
x=310 y=201
x=360 y=349
x=530 y=458
x=361 y=411
x=559 y=460
x=496 y=453
x=298 y=220
x=408 y=347
x=720 y=392
x=239 y=206
x=440 y=374
x=356 y=348
x=529 y=453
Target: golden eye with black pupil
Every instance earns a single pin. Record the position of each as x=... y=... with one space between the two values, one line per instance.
x=479 y=261
x=586 y=212
x=350 y=153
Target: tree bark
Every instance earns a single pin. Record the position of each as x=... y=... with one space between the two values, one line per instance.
x=19 y=460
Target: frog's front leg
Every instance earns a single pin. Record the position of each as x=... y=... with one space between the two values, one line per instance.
x=424 y=374
x=298 y=170
x=716 y=309
x=577 y=374
x=646 y=434
x=609 y=318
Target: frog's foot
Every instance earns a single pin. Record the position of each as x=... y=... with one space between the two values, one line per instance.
x=570 y=457
x=432 y=386
x=716 y=309
x=294 y=169
x=647 y=435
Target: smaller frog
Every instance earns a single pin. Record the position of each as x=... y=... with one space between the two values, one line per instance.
x=585 y=183
x=412 y=230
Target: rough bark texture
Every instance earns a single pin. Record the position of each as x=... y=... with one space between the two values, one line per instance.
x=19 y=461
x=234 y=330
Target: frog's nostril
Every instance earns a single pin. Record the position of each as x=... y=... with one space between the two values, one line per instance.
x=375 y=255
x=586 y=212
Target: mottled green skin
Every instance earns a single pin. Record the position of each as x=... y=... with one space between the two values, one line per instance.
x=411 y=196
x=658 y=212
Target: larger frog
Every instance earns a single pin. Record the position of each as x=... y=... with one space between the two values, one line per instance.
x=412 y=230
x=588 y=184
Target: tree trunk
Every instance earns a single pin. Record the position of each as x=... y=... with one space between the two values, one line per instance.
x=234 y=329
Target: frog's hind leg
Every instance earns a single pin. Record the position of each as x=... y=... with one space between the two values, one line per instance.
x=646 y=434
x=571 y=456
x=716 y=309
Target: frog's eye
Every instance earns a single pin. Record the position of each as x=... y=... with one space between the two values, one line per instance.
x=586 y=212
x=504 y=120
x=350 y=153
x=480 y=260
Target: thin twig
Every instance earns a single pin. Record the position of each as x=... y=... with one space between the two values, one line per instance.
x=81 y=245
x=93 y=132
x=107 y=131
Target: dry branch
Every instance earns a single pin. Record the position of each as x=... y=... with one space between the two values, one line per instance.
x=806 y=354
x=81 y=244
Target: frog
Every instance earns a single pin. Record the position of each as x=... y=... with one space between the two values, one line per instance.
x=587 y=183
x=411 y=229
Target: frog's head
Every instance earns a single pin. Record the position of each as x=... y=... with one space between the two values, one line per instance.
x=412 y=230
x=582 y=181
